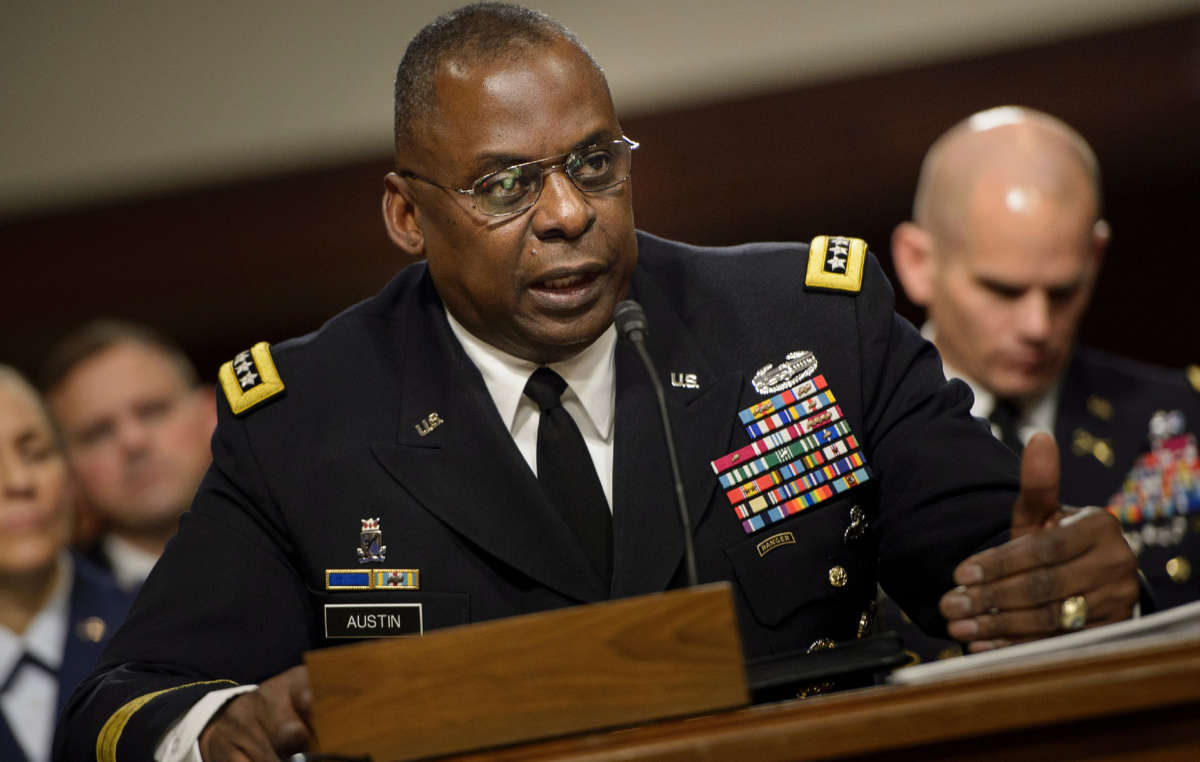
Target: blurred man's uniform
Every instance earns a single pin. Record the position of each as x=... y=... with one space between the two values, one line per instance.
x=1003 y=253
x=1113 y=414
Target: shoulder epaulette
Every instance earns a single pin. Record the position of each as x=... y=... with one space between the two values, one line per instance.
x=250 y=379
x=835 y=263
x=1193 y=376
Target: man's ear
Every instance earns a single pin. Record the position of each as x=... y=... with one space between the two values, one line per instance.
x=912 y=254
x=206 y=401
x=1101 y=235
x=400 y=216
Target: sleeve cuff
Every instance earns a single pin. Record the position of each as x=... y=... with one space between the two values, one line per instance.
x=181 y=742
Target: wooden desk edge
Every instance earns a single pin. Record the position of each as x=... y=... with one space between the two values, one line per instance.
x=890 y=718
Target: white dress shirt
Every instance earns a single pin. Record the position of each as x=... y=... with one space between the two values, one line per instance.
x=1034 y=416
x=591 y=400
x=590 y=396
x=30 y=701
x=130 y=564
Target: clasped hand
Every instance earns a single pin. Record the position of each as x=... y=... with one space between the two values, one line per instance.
x=270 y=721
x=1015 y=592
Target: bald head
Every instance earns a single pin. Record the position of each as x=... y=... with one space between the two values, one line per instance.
x=1019 y=156
x=1005 y=246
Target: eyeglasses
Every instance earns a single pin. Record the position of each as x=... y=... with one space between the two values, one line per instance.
x=515 y=189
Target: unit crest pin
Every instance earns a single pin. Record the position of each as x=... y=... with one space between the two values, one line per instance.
x=370 y=542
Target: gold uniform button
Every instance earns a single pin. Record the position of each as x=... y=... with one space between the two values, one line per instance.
x=91 y=629
x=838 y=576
x=1180 y=569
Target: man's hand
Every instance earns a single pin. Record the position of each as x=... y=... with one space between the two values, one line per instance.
x=264 y=724
x=1015 y=592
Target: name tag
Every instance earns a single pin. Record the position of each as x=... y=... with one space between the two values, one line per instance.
x=376 y=620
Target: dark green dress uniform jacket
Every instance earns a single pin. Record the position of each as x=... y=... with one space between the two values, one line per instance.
x=240 y=593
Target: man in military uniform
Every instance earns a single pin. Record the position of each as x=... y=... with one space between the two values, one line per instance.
x=409 y=452
x=136 y=424
x=1003 y=251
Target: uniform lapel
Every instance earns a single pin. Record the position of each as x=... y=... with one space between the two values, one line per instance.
x=9 y=748
x=467 y=470
x=1079 y=432
x=80 y=653
x=648 y=542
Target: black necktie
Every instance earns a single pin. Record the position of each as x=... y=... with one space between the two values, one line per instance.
x=1004 y=416
x=26 y=658
x=567 y=473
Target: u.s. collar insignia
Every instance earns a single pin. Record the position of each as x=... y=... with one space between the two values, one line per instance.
x=797 y=367
x=684 y=380
x=428 y=424
x=1100 y=407
x=250 y=379
x=835 y=263
x=1084 y=443
x=370 y=542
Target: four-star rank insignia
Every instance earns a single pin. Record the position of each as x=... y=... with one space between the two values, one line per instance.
x=250 y=379
x=835 y=263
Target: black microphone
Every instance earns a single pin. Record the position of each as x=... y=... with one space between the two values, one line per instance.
x=630 y=320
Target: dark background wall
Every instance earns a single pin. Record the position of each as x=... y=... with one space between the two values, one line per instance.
x=223 y=267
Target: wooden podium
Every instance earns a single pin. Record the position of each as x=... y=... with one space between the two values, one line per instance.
x=1135 y=704
x=541 y=675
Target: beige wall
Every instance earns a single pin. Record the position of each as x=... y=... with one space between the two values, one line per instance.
x=103 y=99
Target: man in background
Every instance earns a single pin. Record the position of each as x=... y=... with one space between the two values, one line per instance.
x=136 y=425
x=1003 y=252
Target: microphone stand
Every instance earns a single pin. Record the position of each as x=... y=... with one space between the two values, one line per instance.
x=631 y=325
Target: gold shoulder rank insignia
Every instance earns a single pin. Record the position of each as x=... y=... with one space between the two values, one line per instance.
x=250 y=378
x=835 y=263
x=1193 y=376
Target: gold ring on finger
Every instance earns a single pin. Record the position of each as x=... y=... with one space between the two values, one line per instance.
x=1074 y=613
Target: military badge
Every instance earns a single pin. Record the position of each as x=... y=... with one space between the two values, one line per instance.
x=1163 y=483
x=801 y=453
x=795 y=368
x=684 y=380
x=370 y=542
x=1084 y=443
x=428 y=424
x=372 y=579
x=835 y=263
x=250 y=378
x=1166 y=424
x=1100 y=407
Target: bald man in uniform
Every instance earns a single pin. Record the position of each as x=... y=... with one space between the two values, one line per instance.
x=1003 y=251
